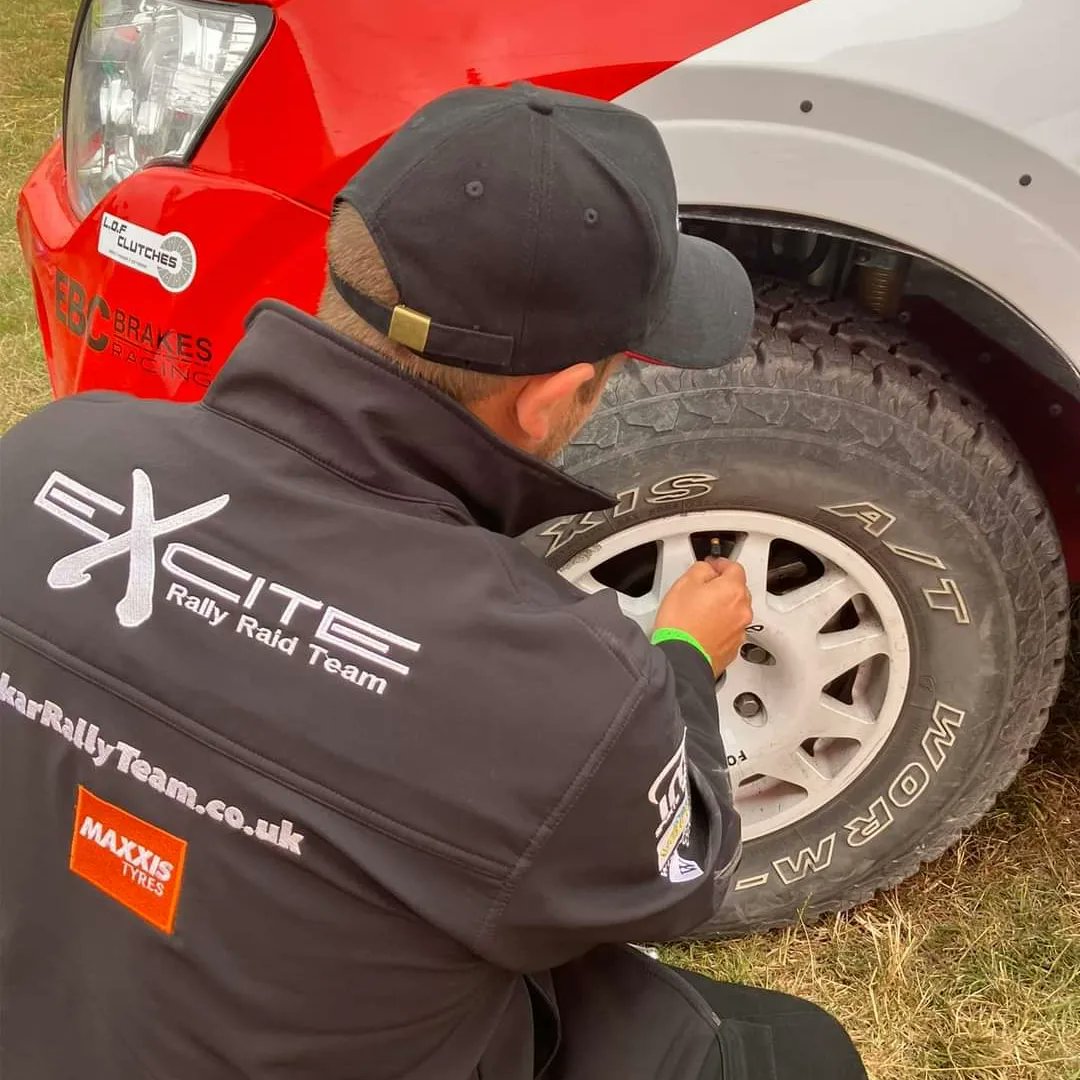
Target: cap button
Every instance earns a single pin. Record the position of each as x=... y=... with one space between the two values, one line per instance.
x=544 y=108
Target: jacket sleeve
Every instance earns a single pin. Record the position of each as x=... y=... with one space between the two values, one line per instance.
x=643 y=845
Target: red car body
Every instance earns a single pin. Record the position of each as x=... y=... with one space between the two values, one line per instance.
x=258 y=191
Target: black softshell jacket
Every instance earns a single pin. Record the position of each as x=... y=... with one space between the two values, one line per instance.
x=308 y=769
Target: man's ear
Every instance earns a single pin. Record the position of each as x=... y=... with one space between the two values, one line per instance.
x=543 y=401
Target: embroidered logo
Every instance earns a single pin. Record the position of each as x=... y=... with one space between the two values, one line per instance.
x=134 y=862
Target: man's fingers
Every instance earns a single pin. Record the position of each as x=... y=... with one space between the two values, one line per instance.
x=701 y=572
x=708 y=570
x=731 y=572
x=719 y=564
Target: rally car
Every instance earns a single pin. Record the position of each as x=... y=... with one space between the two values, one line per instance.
x=893 y=457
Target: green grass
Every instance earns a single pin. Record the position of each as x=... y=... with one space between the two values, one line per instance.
x=971 y=971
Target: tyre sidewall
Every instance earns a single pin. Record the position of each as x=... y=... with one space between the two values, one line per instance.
x=956 y=603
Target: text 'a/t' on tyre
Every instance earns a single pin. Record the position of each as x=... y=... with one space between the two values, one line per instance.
x=889 y=459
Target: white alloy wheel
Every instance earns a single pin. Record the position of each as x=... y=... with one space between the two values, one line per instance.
x=819 y=684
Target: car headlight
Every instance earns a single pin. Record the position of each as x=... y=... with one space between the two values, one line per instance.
x=146 y=80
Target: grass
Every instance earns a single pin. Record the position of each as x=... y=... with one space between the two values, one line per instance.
x=33 y=53
x=970 y=971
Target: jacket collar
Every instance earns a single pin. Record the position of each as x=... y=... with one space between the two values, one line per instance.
x=298 y=380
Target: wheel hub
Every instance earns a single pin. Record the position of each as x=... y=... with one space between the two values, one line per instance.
x=818 y=687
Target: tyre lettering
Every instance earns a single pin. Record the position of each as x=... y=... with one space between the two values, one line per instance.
x=910 y=784
x=808 y=860
x=923 y=557
x=681 y=488
x=751 y=882
x=906 y=788
x=875 y=520
x=948 y=598
x=627 y=502
x=863 y=829
x=941 y=734
x=563 y=530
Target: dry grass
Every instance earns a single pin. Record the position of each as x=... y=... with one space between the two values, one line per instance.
x=971 y=971
x=33 y=53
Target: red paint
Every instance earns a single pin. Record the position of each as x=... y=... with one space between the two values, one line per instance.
x=106 y=326
x=332 y=83
x=336 y=79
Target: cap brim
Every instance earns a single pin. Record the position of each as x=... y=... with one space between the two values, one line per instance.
x=710 y=313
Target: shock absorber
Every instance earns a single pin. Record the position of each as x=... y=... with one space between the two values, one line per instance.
x=880 y=279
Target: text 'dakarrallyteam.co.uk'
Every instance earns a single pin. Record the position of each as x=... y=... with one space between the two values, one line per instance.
x=131 y=762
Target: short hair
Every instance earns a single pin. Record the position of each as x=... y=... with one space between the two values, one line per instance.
x=355 y=257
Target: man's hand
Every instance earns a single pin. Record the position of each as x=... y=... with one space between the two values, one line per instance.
x=711 y=603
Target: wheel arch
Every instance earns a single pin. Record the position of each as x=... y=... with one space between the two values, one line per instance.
x=1031 y=386
x=914 y=164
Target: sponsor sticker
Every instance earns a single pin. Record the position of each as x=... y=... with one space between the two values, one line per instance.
x=174 y=354
x=670 y=794
x=128 y=859
x=170 y=258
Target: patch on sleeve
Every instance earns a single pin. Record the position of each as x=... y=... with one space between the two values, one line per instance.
x=670 y=794
x=134 y=862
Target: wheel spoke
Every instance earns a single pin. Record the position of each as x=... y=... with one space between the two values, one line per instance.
x=751 y=552
x=815 y=604
x=642 y=609
x=832 y=719
x=675 y=557
x=796 y=768
x=840 y=652
x=588 y=584
x=832 y=660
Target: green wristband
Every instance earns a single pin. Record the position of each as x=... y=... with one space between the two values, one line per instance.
x=669 y=633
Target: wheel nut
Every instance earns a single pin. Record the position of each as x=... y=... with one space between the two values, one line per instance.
x=755 y=654
x=748 y=705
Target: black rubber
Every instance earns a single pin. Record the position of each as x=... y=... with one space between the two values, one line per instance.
x=827 y=408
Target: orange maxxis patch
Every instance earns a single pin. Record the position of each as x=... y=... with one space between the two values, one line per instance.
x=134 y=862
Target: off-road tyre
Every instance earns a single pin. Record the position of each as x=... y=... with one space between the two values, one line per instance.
x=842 y=421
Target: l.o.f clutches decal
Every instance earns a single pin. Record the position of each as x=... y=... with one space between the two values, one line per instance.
x=170 y=258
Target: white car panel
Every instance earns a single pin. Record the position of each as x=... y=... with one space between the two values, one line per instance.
x=925 y=115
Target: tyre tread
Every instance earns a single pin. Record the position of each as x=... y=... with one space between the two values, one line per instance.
x=917 y=411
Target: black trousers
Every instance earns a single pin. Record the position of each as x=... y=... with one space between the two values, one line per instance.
x=625 y=1016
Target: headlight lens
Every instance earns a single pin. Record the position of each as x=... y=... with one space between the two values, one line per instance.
x=145 y=79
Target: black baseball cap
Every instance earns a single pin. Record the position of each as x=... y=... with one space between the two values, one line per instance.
x=527 y=230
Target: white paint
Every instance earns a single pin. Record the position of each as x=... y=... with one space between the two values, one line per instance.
x=925 y=115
